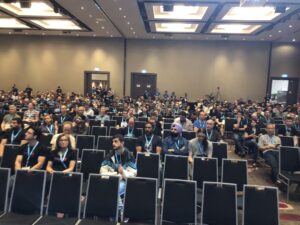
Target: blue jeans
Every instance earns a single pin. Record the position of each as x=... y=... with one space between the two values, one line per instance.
x=122 y=189
x=271 y=158
x=253 y=148
x=238 y=140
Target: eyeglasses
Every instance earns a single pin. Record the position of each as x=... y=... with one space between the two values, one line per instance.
x=63 y=140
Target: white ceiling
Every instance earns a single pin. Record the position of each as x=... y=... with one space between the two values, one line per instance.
x=122 y=19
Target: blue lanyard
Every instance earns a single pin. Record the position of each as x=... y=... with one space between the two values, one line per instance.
x=177 y=145
x=30 y=152
x=50 y=129
x=271 y=139
x=201 y=150
x=148 y=142
x=63 y=157
x=62 y=119
x=13 y=136
x=118 y=161
x=209 y=136
x=202 y=123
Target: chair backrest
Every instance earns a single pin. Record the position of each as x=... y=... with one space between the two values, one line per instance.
x=141 y=199
x=189 y=135
x=45 y=140
x=179 y=202
x=85 y=141
x=219 y=204
x=28 y=192
x=167 y=126
x=113 y=131
x=65 y=193
x=148 y=165
x=279 y=127
x=219 y=152
x=110 y=123
x=104 y=143
x=236 y=172
x=99 y=131
x=205 y=169
x=287 y=141
x=143 y=119
x=93 y=122
x=118 y=119
x=130 y=143
x=139 y=124
x=139 y=132
x=4 y=185
x=166 y=133
x=229 y=124
x=169 y=120
x=289 y=159
x=176 y=167
x=102 y=196
x=9 y=157
x=91 y=161
x=278 y=121
x=260 y=205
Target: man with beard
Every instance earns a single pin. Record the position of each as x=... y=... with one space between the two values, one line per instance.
x=212 y=134
x=186 y=124
x=175 y=144
x=15 y=135
x=149 y=142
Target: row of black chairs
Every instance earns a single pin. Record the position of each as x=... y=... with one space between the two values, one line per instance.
x=179 y=206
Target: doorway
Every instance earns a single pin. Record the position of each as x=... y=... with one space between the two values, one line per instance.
x=284 y=90
x=140 y=82
x=96 y=80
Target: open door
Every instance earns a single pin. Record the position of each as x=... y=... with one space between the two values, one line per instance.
x=94 y=80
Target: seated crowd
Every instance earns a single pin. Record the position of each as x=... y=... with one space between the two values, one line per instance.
x=26 y=117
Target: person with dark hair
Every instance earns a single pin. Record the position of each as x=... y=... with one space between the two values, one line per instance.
x=175 y=144
x=130 y=131
x=32 y=155
x=15 y=135
x=200 y=122
x=199 y=146
x=63 y=116
x=212 y=134
x=149 y=142
x=120 y=162
x=250 y=140
x=289 y=130
x=31 y=116
x=186 y=124
x=48 y=127
x=63 y=157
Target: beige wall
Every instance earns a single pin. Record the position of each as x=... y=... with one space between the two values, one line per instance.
x=45 y=62
x=240 y=69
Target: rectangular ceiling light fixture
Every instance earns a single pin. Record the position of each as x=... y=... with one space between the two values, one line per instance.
x=12 y=23
x=37 y=9
x=180 y=12
x=235 y=28
x=176 y=27
x=251 y=14
x=57 y=24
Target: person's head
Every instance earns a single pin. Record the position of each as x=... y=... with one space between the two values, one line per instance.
x=47 y=119
x=32 y=133
x=118 y=142
x=254 y=116
x=176 y=129
x=16 y=123
x=270 y=129
x=63 y=142
x=63 y=109
x=182 y=116
x=201 y=135
x=202 y=115
x=131 y=122
x=288 y=122
x=80 y=110
x=148 y=128
x=12 y=109
x=210 y=125
x=67 y=127
x=253 y=123
x=125 y=114
x=31 y=106
x=102 y=110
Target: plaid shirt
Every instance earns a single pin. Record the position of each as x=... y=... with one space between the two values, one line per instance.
x=31 y=115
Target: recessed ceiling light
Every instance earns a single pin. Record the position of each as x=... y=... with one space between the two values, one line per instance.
x=94 y=35
x=120 y=9
x=294 y=39
x=12 y=23
x=97 y=21
x=36 y=9
x=180 y=11
x=9 y=32
x=128 y=23
x=251 y=13
x=131 y=28
x=270 y=35
x=133 y=32
x=290 y=26
x=90 y=16
x=176 y=27
x=57 y=24
x=124 y=17
x=82 y=8
x=235 y=28
x=111 y=35
x=102 y=28
x=279 y=31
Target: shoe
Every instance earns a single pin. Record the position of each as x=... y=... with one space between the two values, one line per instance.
x=125 y=220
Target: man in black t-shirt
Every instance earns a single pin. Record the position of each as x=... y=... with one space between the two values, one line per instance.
x=32 y=155
x=149 y=142
x=15 y=135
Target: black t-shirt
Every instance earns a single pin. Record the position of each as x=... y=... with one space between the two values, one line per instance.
x=31 y=154
x=55 y=157
x=14 y=136
x=287 y=131
x=155 y=142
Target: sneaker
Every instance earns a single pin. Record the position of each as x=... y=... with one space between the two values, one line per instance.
x=125 y=220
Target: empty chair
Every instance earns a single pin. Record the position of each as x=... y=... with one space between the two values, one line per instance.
x=99 y=131
x=4 y=184
x=219 y=152
x=176 y=167
x=287 y=141
x=84 y=141
x=64 y=198
x=148 y=165
x=104 y=143
x=189 y=135
x=91 y=161
x=219 y=204
x=141 y=200
x=205 y=169
x=101 y=200
x=113 y=131
x=45 y=139
x=9 y=157
x=260 y=205
x=289 y=163
x=26 y=204
x=179 y=202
